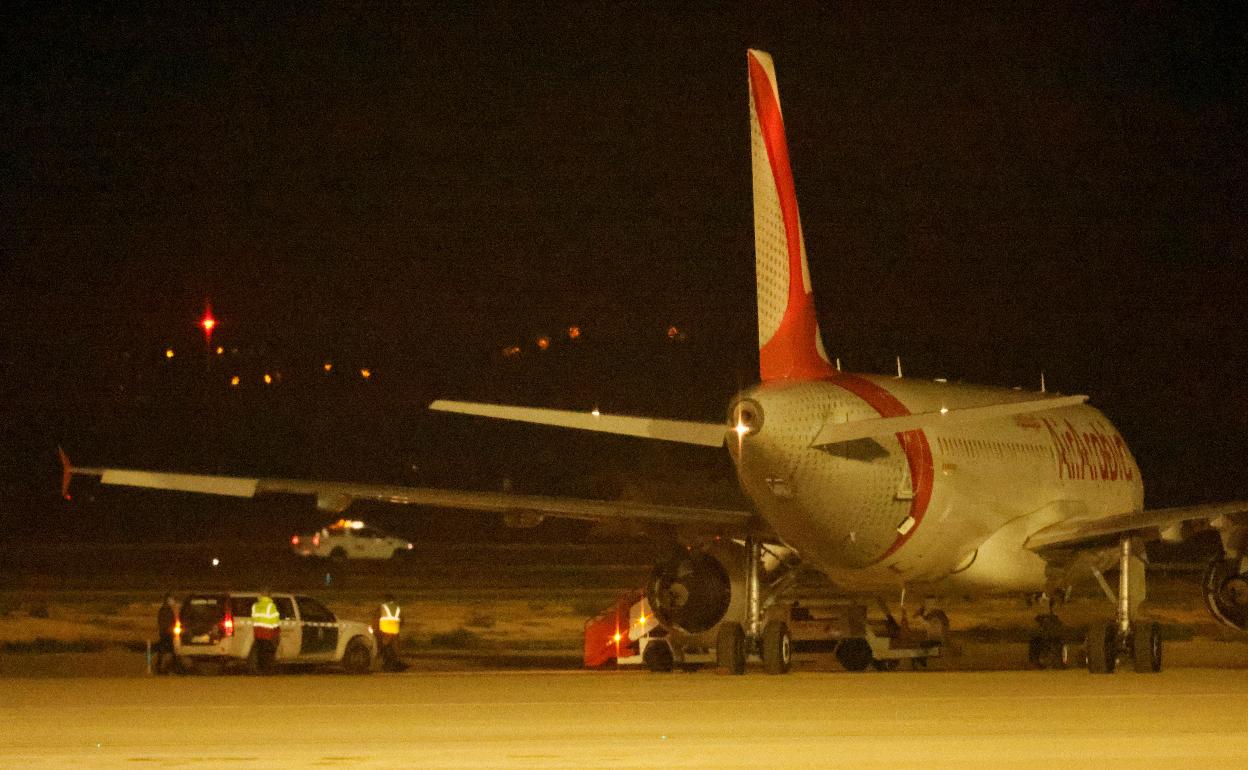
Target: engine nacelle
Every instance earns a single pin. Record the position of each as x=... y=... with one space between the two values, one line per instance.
x=696 y=589
x=1226 y=593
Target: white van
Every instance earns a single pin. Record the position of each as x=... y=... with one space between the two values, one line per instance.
x=214 y=631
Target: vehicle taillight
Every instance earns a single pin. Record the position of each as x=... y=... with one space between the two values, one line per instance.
x=227 y=624
x=294 y=540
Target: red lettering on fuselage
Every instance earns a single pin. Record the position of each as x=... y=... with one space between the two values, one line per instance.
x=1094 y=453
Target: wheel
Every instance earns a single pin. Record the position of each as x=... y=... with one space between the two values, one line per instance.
x=854 y=654
x=1047 y=652
x=1035 y=652
x=658 y=657
x=1102 y=648
x=886 y=665
x=777 y=648
x=1146 y=647
x=730 y=649
x=357 y=658
x=338 y=554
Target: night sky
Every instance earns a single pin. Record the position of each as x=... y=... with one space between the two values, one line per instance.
x=987 y=191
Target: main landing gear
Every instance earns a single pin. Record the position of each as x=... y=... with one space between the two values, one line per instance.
x=1125 y=637
x=858 y=643
x=773 y=641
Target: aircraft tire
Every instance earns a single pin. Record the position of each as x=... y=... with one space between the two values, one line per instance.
x=854 y=654
x=1102 y=648
x=658 y=657
x=1146 y=648
x=777 y=648
x=730 y=649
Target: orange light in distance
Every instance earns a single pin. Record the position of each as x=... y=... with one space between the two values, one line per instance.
x=543 y=342
x=268 y=379
x=208 y=323
x=328 y=366
x=574 y=332
x=366 y=373
x=168 y=352
x=234 y=381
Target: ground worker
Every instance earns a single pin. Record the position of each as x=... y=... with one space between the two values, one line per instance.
x=389 y=621
x=166 y=619
x=266 y=630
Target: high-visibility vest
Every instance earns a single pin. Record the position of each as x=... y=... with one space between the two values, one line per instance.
x=389 y=620
x=264 y=614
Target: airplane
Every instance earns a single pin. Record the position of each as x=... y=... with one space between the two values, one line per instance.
x=884 y=484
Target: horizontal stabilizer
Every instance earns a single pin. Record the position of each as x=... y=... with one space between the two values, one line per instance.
x=681 y=431
x=838 y=432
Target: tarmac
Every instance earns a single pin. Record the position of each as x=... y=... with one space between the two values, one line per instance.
x=585 y=719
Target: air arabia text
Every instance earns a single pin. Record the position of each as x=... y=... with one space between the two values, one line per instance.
x=1091 y=455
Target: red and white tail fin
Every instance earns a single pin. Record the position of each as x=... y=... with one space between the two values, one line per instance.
x=789 y=345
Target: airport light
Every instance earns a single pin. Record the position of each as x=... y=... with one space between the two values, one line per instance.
x=574 y=332
x=168 y=353
x=207 y=323
x=366 y=372
x=234 y=381
x=543 y=342
x=328 y=366
x=268 y=379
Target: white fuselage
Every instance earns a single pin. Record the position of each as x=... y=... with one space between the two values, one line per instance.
x=951 y=505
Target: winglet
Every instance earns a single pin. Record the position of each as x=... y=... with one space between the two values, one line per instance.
x=67 y=473
x=790 y=347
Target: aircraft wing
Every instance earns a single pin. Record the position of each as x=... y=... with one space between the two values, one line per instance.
x=335 y=496
x=681 y=431
x=1086 y=530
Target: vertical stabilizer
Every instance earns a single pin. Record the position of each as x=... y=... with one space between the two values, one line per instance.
x=789 y=344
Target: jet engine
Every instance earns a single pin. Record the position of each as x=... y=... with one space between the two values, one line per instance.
x=692 y=591
x=698 y=587
x=1226 y=593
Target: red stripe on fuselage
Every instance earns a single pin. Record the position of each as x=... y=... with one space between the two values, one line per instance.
x=791 y=353
x=913 y=442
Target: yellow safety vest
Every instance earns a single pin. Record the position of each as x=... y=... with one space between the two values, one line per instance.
x=389 y=619
x=264 y=614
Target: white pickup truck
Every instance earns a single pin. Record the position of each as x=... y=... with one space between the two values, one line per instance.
x=214 y=631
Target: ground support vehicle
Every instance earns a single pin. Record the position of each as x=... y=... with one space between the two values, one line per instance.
x=214 y=633
x=628 y=633
x=350 y=539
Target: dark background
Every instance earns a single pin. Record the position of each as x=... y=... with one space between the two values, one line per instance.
x=987 y=191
